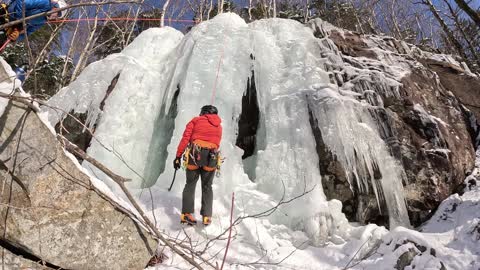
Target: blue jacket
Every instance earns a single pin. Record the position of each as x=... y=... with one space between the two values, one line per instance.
x=32 y=7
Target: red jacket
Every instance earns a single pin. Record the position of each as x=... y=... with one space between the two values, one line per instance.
x=206 y=128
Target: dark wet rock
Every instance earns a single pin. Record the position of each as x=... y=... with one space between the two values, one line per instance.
x=405 y=259
x=409 y=249
x=424 y=121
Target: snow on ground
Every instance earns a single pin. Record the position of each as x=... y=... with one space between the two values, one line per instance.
x=166 y=77
x=8 y=83
x=450 y=238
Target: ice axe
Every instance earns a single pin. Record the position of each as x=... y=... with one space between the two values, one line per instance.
x=173 y=181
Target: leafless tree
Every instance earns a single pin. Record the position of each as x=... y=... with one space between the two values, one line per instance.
x=274 y=7
x=220 y=6
x=306 y=12
x=82 y=61
x=450 y=35
x=250 y=10
x=454 y=16
x=474 y=15
x=43 y=14
x=164 y=10
x=210 y=8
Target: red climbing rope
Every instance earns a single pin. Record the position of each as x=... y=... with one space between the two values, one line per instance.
x=229 y=231
x=220 y=61
x=5 y=45
x=119 y=19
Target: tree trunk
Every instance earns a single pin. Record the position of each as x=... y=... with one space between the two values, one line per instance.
x=210 y=10
x=264 y=9
x=69 y=55
x=44 y=51
x=134 y=23
x=462 y=31
x=474 y=15
x=394 y=20
x=220 y=7
x=269 y=8
x=164 y=10
x=306 y=10
x=372 y=22
x=420 y=30
x=82 y=61
x=274 y=8
x=250 y=10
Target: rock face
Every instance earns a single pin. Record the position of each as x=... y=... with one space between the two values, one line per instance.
x=409 y=250
x=12 y=261
x=50 y=210
x=454 y=79
x=423 y=121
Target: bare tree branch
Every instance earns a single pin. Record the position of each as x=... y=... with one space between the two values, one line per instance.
x=121 y=182
x=43 y=14
x=474 y=15
x=230 y=231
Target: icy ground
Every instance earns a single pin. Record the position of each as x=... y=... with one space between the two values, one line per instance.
x=166 y=77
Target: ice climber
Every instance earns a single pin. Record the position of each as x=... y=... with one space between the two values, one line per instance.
x=15 y=11
x=199 y=147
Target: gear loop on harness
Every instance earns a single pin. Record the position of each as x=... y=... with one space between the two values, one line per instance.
x=202 y=154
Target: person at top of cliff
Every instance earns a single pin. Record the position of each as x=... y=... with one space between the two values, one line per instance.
x=199 y=147
x=18 y=9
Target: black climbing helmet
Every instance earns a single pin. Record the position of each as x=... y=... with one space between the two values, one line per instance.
x=208 y=109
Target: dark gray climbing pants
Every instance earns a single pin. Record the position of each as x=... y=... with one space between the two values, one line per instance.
x=188 y=201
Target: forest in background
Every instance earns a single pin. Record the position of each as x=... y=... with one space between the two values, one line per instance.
x=54 y=56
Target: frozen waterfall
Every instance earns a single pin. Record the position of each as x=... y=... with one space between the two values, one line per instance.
x=165 y=78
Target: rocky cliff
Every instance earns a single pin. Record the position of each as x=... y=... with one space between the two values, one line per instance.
x=429 y=123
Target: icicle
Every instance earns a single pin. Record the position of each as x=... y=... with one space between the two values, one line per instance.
x=347 y=138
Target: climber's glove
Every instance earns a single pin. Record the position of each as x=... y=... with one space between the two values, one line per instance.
x=176 y=163
x=13 y=33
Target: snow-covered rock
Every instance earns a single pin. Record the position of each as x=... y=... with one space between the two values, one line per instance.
x=50 y=213
x=449 y=240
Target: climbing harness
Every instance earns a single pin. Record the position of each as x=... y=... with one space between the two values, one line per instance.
x=202 y=154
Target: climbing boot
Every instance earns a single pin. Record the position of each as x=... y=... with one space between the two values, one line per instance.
x=188 y=219
x=207 y=220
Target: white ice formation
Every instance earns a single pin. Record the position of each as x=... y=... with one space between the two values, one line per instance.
x=165 y=77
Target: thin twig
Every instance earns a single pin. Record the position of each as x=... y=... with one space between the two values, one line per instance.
x=121 y=182
x=43 y=14
x=153 y=207
x=230 y=231
x=354 y=255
